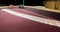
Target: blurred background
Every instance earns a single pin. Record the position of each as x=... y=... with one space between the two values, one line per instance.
x=52 y=4
x=20 y=2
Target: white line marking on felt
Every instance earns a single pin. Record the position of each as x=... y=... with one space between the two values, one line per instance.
x=34 y=18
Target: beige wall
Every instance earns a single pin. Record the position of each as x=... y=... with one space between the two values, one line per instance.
x=51 y=4
x=59 y=5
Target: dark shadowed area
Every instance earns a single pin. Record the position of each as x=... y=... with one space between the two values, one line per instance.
x=20 y=2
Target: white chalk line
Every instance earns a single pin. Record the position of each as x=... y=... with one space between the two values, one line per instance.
x=34 y=18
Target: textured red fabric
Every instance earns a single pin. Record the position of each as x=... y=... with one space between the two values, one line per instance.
x=12 y=23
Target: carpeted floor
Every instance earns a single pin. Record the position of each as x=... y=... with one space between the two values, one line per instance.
x=49 y=14
x=12 y=23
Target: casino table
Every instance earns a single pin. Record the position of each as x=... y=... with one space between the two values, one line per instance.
x=12 y=21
